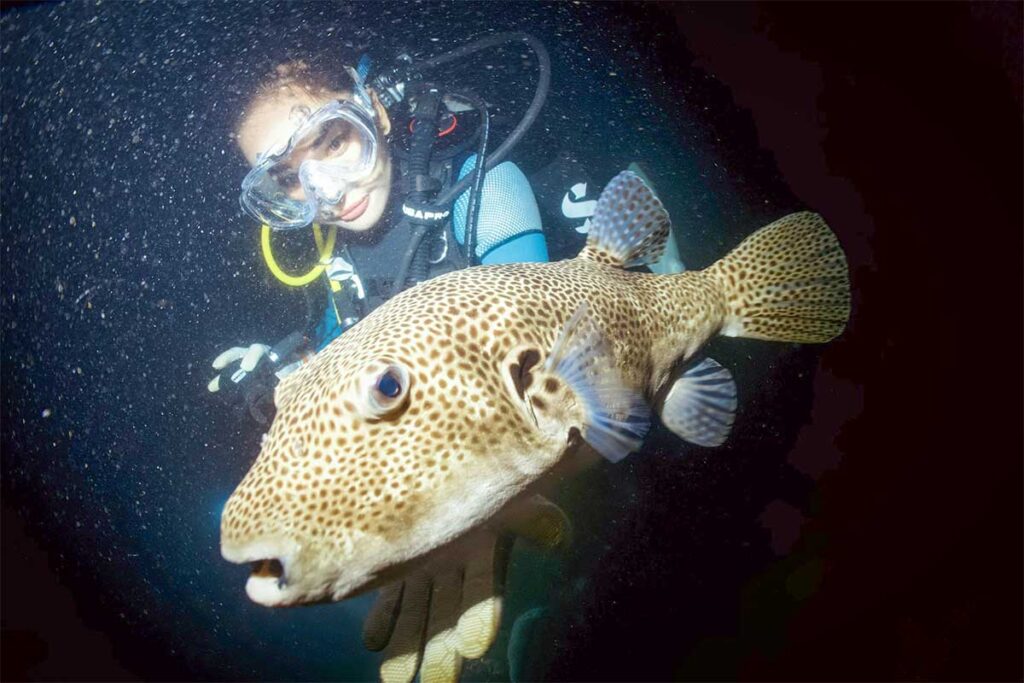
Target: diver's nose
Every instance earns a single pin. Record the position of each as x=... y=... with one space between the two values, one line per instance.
x=326 y=189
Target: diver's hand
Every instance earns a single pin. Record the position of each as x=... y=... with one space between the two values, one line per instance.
x=247 y=357
x=246 y=380
x=250 y=373
x=451 y=608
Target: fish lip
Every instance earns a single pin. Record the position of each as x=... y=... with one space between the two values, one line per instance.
x=294 y=583
x=274 y=548
x=269 y=591
x=269 y=584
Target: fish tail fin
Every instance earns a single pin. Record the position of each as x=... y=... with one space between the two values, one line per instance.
x=786 y=282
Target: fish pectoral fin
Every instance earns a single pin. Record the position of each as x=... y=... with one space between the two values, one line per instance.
x=580 y=385
x=701 y=405
x=630 y=227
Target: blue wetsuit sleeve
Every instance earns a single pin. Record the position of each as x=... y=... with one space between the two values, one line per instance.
x=509 y=228
x=327 y=329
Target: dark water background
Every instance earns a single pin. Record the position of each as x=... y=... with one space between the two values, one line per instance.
x=864 y=521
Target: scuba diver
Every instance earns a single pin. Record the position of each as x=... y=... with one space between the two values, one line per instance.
x=395 y=176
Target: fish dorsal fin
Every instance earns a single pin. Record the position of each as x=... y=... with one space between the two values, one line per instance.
x=630 y=226
x=615 y=417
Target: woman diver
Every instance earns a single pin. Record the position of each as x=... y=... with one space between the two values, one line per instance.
x=327 y=155
x=398 y=172
x=413 y=193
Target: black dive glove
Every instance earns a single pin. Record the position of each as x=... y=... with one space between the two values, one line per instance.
x=249 y=374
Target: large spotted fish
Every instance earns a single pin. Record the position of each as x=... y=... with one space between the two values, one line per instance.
x=452 y=402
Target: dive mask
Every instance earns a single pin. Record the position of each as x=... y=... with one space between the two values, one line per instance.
x=333 y=148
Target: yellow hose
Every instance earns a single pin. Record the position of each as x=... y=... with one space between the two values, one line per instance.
x=324 y=248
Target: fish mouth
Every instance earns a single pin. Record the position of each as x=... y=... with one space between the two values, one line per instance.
x=268 y=583
x=268 y=568
x=284 y=572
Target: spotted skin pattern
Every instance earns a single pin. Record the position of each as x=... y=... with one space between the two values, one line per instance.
x=348 y=497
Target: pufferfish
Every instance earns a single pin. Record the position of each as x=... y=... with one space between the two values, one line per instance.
x=456 y=400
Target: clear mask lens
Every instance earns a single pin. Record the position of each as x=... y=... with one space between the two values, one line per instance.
x=333 y=149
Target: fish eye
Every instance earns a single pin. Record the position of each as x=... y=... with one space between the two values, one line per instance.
x=389 y=384
x=385 y=391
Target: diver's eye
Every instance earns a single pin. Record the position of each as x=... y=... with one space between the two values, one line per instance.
x=385 y=391
x=337 y=143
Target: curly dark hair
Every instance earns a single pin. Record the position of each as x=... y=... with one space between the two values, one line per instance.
x=314 y=76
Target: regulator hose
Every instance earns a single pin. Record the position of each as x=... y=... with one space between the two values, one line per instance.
x=540 y=94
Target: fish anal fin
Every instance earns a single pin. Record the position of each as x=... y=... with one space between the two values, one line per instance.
x=630 y=227
x=701 y=405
